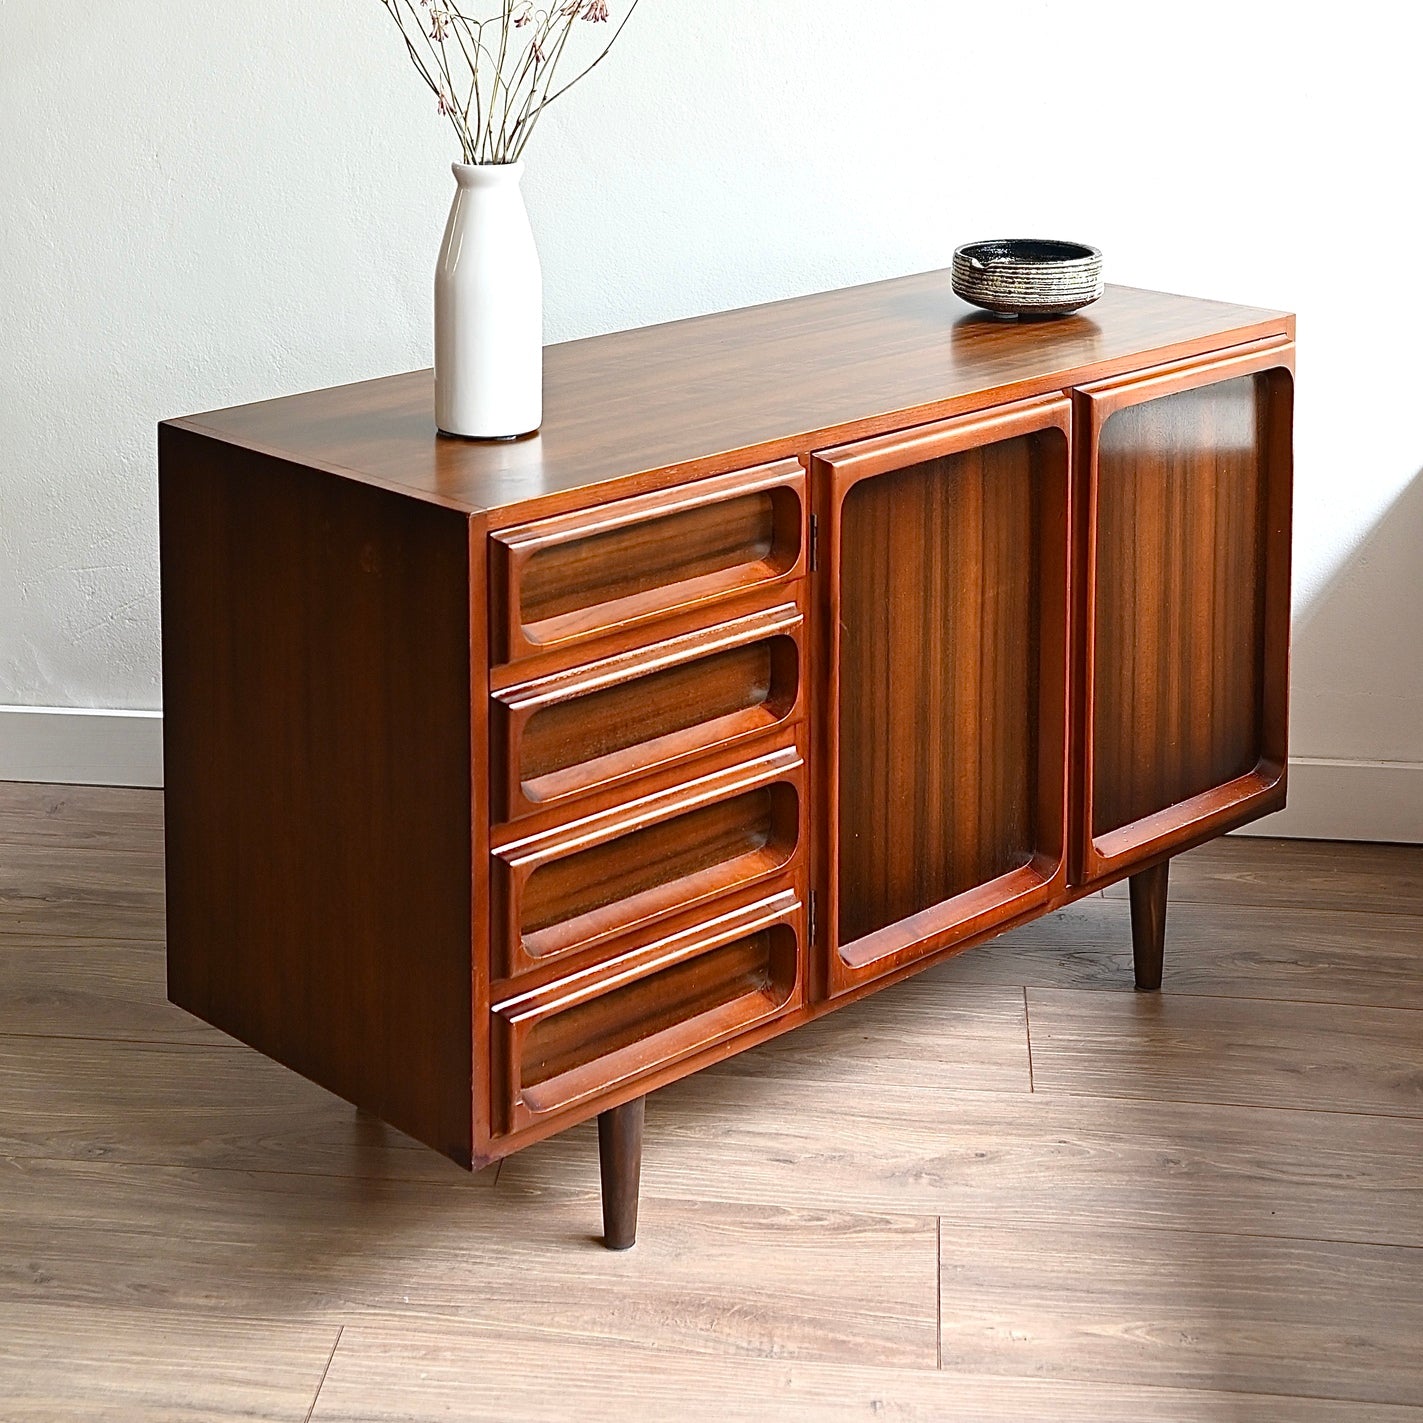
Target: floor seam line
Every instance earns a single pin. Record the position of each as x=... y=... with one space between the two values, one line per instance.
x=1103 y=990
x=1135 y=1382
x=63 y=937
x=1214 y=903
x=340 y=1330
x=224 y=1044
x=58 y=843
x=1028 y=1030
x=1178 y=995
x=1365 y=1115
x=939 y=1293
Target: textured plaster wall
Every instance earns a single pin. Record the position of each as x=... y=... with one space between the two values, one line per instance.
x=201 y=205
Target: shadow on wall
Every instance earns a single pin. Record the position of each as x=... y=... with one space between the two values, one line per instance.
x=1358 y=648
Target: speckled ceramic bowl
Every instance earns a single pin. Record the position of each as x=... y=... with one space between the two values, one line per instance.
x=1027 y=276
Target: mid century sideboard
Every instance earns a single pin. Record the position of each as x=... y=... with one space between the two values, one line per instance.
x=804 y=646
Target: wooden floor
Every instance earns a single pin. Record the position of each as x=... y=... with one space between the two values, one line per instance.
x=1009 y=1189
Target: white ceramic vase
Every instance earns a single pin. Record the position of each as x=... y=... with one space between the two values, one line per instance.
x=488 y=309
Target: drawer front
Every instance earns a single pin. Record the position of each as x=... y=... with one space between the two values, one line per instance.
x=596 y=726
x=585 y=883
x=562 y=1043
x=563 y=580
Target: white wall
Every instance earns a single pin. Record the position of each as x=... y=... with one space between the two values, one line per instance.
x=206 y=204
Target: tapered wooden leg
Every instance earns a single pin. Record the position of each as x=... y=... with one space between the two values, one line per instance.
x=620 y=1159
x=1148 y=923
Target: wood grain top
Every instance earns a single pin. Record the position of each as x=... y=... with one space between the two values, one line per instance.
x=634 y=409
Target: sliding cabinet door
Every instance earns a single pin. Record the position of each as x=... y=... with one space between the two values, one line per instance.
x=945 y=611
x=1186 y=476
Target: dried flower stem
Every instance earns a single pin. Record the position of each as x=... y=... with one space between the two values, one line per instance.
x=495 y=95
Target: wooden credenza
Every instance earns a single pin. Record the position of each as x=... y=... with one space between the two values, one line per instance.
x=805 y=645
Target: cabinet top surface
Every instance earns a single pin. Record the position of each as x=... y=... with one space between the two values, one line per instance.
x=636 y=409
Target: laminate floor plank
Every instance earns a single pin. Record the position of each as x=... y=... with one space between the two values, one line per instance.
x=61 y=1365
x=1324 y=874
x=1038 y=1158
x=879 y=1044
x=92 y=988
x=1176 y=1047
x=390 y=1373
x=1232 y=951
x=1192 y=1311
x=83 y=1099
x=705 y=1277
x=95 y=817
x=1211 y=1203
x=724 y=1135
x=78 y=892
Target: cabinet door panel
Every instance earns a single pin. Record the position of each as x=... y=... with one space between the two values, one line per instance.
x=947 y=728
x=1187 y=605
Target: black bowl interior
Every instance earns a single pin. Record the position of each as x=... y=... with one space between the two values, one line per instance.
x=1034 y=250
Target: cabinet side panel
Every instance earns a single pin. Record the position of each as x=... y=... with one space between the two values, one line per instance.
x=1180 y=599
x=316 y=658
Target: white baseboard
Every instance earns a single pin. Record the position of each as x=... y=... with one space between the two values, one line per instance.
x=1329 y=800
x=1349 y=800
x=79 y=747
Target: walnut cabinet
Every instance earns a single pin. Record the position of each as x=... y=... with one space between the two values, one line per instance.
x=804 y=646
